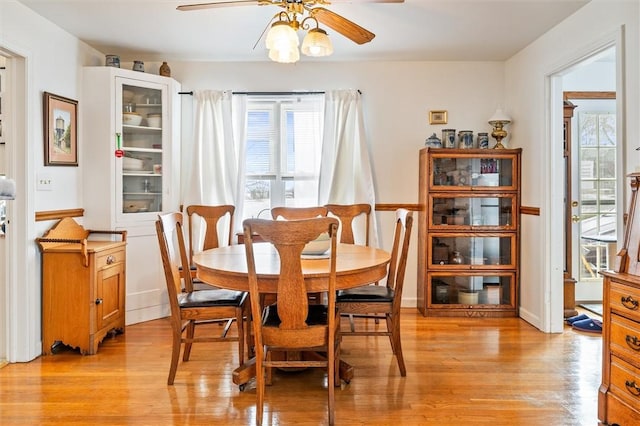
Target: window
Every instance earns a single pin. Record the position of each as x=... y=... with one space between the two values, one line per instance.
x=597 y=150
x=283 y=149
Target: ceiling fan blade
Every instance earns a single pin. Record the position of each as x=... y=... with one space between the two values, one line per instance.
x=342 y=25
x=198 y=6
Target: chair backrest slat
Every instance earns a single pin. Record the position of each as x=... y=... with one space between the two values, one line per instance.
x=347 y=213
x=295 y=213
x=208 y=219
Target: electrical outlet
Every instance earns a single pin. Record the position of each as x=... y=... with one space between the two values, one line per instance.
x=44 y=182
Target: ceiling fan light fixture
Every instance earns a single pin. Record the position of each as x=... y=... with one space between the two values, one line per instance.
x=317 y=43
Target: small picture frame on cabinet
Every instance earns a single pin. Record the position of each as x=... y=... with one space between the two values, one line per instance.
x=60 y=130
x=438 y=117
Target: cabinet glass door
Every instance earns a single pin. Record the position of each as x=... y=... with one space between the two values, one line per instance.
x=141 y=138
x=464 y=172
x=471 y=290
x=471 y=252
x=472 y=212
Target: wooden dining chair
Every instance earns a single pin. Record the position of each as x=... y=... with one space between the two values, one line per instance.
x=205 y=230
x=383 y=300
x=291 y=323
x=188 y=307
x=295 y=213
x=347 y=213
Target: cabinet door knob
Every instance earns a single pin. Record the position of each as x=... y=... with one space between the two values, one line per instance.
x=110 y=259
x=98 y=301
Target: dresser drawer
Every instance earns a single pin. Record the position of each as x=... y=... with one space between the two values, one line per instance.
x=625 y=300
x=109 y=257
x=625 y=337
x=625 y=381
x=619 y=413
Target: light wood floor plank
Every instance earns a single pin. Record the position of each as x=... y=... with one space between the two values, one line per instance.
x=459 y=371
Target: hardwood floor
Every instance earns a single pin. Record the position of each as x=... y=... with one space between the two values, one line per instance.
x=459 y=371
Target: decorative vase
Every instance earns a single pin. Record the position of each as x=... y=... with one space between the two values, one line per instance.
x=165 y=70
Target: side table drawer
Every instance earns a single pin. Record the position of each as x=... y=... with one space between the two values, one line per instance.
x=625 y=337
x=626 y=300
x=110 y=257
x=625 y=381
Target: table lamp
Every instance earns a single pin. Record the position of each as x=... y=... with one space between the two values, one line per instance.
x=498 y=120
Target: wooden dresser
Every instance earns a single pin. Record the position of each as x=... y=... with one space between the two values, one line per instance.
x=619 y=393
x=83 y=286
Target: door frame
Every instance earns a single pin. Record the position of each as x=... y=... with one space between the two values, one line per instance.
x=19 y=283
x=552 y=315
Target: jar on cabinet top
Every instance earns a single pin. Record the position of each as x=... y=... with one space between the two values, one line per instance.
x=465 y=139
x=448 y=138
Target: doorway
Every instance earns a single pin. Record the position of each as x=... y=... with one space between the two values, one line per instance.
x=592 y=167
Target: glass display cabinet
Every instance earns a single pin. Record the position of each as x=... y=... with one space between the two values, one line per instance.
x=469 y=232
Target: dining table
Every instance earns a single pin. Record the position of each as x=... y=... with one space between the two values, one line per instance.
x=226 y=267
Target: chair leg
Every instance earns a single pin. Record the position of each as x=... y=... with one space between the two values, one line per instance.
x=190 y=330
x=240 y=325
x=331 y=388
x=260 y=379
x=397 y=345
x=175 y=357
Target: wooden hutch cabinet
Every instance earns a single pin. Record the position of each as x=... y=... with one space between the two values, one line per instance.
x=469 y=232
x=619 y=393
x=83 y=287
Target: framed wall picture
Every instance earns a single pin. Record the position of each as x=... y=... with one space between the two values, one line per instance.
x=438 y=117
x=60 y=130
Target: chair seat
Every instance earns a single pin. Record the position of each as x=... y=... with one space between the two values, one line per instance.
x=204 y=298
x=317 y=315
x=367 y=293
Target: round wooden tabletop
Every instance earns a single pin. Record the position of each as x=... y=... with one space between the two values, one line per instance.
x=226 y=267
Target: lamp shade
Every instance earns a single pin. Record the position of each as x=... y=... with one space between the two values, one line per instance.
x=501 y=116
x=281 y=36
x=317 y=43
x=285 y=56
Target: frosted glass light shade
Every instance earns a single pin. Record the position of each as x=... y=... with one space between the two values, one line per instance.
x=285 y=56
x=317 y=43
x=281 y=36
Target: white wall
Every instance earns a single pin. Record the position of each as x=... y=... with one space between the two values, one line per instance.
x=397 y=97
x=528 y=88
x=53 y=61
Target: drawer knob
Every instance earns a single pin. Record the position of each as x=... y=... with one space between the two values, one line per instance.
x=629 y=302
x=98 y=301
x=110 y=259
x=632 y=387
x=633 y=342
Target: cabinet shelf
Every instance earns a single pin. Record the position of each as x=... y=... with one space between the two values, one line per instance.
x=128 y=128
x=468 y=247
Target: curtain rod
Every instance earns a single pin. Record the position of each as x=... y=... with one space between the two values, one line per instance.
x=268 y=93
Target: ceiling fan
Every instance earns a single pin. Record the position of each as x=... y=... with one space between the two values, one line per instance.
x=312 y=8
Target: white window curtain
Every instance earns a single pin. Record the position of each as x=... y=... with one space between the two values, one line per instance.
x=346 y=176
x=215 y=173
